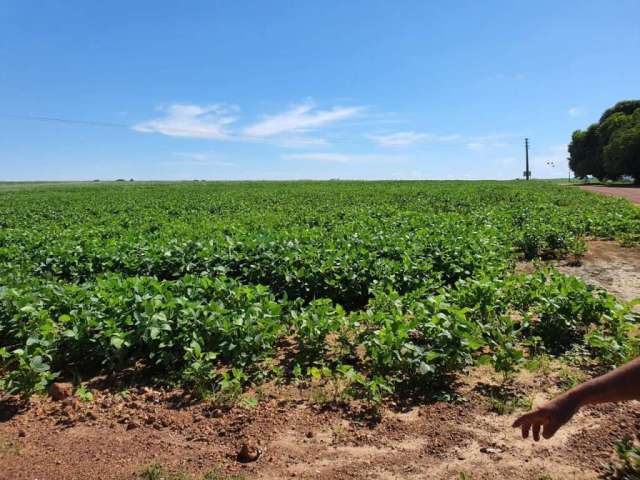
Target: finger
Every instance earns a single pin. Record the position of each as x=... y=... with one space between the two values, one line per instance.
x=550 y=429
x=525 y=430
x=536 y=431
x=524 y=419
x=532 y=417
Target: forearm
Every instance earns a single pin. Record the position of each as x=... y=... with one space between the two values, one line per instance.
x=619 y=385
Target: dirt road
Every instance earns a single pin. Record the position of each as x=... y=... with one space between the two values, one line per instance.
x=631 y=193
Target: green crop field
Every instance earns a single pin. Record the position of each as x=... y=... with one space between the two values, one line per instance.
x=377 y=286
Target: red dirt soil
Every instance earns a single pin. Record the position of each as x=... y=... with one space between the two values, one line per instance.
x=608 y=265
x=631 y=193
x=116 y=438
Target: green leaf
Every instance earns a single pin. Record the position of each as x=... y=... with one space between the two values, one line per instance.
x=37 y=364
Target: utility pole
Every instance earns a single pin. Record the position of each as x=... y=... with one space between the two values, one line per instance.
x=527 y=172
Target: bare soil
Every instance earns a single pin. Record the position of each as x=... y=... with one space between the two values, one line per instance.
x=300 y=435
x=116 y=438
x=608 y=265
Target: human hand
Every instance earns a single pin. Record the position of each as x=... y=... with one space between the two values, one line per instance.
x=550 y=417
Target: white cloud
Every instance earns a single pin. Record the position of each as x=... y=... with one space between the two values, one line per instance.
x=404 y=139
x=329 y=157
x=400 y=139
x=300 y=118
x=475 y=143
x=304 y=127
x=286 y=129
x=575 y=111
x=191 y=121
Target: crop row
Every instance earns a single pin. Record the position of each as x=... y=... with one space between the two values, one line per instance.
x=197 y=329
x=381 y=285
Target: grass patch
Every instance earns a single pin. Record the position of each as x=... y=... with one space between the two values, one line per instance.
x=159 y=472
x=505 y=404
x=570 y=377
x=627 y=464
x=538 y=364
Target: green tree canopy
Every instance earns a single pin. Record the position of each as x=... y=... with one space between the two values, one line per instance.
x=625 y=106
x=610 y=148
x=622 y=152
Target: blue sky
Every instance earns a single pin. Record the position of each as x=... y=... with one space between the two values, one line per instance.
x=301 y=89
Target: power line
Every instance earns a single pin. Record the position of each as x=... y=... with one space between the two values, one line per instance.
x=39 y=118
x=203 y=131
x=166 y=130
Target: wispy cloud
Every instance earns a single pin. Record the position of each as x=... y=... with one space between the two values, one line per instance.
x=474 y=143
x=287 y=129
x=191 y=121
x=400 y=139
x=329 y=157
x=575 y=111
x=404 y=139
x=305 y=127
x=300 y=118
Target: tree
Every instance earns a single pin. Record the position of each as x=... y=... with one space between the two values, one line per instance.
x=610 y=148
x=626 y=106
x=584 y=153
x=622 y=152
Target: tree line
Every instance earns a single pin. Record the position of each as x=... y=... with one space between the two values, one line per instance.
x=610 y=148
